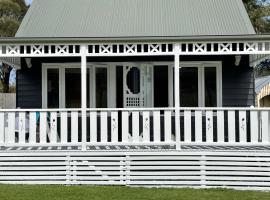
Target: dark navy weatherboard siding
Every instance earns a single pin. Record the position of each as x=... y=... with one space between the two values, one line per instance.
x=237 y=81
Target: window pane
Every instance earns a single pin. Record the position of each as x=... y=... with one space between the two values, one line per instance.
x=210 y=87
x=88 y=88
x=189 y=87
x=73 y=88
x=133 y=80
x=101 y=87
x=53 y=88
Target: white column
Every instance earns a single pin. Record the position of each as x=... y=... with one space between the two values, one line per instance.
x=84 y=94
x=177 y=94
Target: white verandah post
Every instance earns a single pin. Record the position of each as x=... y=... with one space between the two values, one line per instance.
x=84 y=94
x=177 y=94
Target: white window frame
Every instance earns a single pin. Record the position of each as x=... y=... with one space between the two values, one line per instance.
x=111 y=82
x=201 y=65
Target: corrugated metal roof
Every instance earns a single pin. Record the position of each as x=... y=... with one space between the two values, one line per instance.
x=135 y=18
x=260 y=83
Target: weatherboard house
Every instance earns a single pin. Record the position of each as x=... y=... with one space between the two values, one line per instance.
x=136 y=92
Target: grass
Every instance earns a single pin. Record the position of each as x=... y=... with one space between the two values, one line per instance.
x=42 y=192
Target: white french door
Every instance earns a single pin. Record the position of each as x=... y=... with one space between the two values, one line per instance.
x=61 y=86
x=138 y=85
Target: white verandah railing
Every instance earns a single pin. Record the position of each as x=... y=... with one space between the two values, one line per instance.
x=138 y=126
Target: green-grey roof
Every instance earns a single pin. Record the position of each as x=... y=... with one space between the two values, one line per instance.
x=135 y=18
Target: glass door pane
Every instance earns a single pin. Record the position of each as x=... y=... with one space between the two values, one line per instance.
x=73 y=87
x=210 y=86
x=53 y=88
x=189 y=87
x=101 y=87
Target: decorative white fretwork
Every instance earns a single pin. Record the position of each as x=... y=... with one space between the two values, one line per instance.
x=136 y=49
x=224 y=48
x=39 y=50
x=130 y=49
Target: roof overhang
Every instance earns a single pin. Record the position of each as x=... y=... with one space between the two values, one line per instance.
x=202 y=38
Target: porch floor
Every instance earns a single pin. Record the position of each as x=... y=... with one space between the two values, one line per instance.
x=131 y=148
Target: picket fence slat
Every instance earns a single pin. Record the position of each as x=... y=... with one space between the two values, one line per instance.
x=104 y=126
x=2 y=128
x=254 y=126
x=198 y=126
x=156 y=126
x=146 y=126
x=74 y=127
x=135 y=126
x=125 y=126
x=231 y=126
x=64 y=129
x=93 y=127
x=187 y=125
x=32 y=127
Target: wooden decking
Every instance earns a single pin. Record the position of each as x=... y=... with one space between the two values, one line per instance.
x=140 y=148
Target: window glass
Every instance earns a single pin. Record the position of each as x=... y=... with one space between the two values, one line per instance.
x=189 y=87
x=133 y=80
x=101 y=87
x=210 y=87
x=73 y=87
x=53 y=88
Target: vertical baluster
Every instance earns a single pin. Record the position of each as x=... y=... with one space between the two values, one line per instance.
x=156 y=126
x=11 y=127
x=209 y=126
x=198 y=126
x=114 y=126
x=187 y=125
x=93 y=126
x=242 y=126
x=146 y=126
x=254 y=127
x=32 y=128
x=43 y=127
x=53 y=128
x=135 y=126
x=2 y=128
x=220 y=126
x=21 y=127
x=64 y=124
x=265 y=126
x=168 y=126
x=231 y=126
x=125 y=126
x=104 y=126
x=74 y=126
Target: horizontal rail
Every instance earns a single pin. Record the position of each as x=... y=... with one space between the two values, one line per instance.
x=138 y=109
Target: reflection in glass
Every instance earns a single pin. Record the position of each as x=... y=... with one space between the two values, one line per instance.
x=189 y=87
x=210 y=87
x=73 y=87
x=53 y=88
x=101 y=87
x=133 y=80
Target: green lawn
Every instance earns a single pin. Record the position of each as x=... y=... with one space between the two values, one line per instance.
x=19 y=192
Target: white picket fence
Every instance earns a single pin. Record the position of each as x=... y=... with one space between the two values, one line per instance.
x=7 y=100
x=222 y=126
